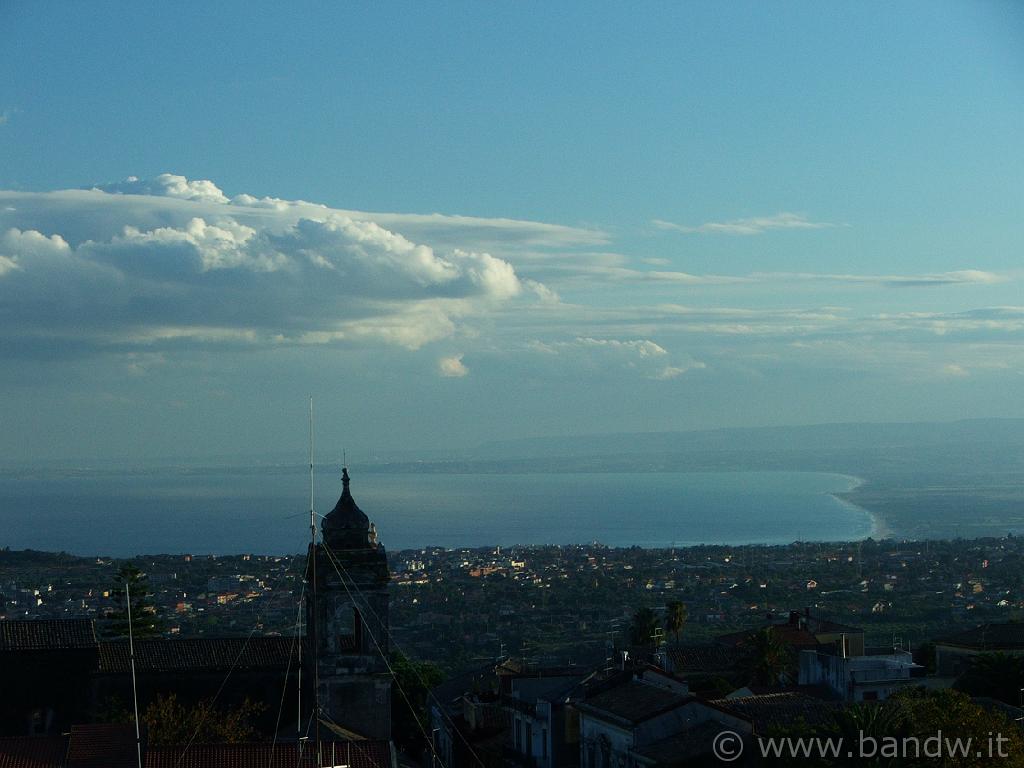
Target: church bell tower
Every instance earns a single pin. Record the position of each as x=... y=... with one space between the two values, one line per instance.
x=348 y=621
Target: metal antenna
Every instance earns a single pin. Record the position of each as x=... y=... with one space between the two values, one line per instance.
x=312 y=624
x=131 y=657
x=312 y=514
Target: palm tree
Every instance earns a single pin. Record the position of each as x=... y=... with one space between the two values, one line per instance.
x=675 y=617
x=768 y=657
x=644 y=625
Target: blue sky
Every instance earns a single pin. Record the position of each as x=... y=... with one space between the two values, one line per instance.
x=668 y=216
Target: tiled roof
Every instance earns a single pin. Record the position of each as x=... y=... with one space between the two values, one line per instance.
x=33 y=751
x=697 y=659
x=829 y=627
x=182 y=654
x=46 y=634
x=357 y=754
x=795 y=637
x=687 y=745
x=102 y=745
x=779 y=709
x=989 y=637
x=633 y=701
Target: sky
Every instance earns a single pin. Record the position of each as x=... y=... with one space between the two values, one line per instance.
x=452 y=223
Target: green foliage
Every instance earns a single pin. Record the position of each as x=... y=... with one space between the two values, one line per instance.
x=996 y=675
x=894 y=733
x=409 y=712
x=643 y=627
x=767 y=659
x=145 y=621
x=169 y=722
x=675 y=617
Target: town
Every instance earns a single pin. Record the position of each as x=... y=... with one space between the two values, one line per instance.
x=556 y=605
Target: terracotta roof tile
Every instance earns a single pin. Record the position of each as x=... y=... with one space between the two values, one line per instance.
x=46 y=634
x=357 y=754
x=633 y=701
x=181 y=654
x=779 y=709
x=989 y=637
x=33 y=751
x=102 y=745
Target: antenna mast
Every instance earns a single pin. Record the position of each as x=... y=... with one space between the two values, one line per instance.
x=131 y=657
x=312 y=624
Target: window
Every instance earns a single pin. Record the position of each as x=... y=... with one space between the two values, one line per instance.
x=544 y=743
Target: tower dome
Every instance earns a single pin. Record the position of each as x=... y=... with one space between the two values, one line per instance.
x=346 y=526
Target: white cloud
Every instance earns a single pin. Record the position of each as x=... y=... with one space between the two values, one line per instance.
x=955 y=371
x=675 y=371
x=452 y=367
x=164 y=261
x=642 y=347
x=604 y=356
x=752 y=226
x=958 y=277
x=168 y=185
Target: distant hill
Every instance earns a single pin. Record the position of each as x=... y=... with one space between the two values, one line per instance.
x=824 y=437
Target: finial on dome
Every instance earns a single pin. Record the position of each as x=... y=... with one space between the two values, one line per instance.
x=345 y=526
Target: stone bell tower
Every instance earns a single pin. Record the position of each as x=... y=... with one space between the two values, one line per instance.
x=349 y=621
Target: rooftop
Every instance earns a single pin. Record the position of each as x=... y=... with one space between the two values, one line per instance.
x=356 y=754
x=988 y=637
x=773 y=710
x=633 y=702
x=47 y=634
x=180 y=654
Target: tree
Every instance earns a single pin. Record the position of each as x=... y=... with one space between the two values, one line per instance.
x=927 y=713
x=996 y=675
x=768 y=658
x=145 y=622
x=675 y=617
x=644 y=625
x=169 y=722
x=409 y=710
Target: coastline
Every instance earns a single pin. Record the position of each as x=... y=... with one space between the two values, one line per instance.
x=880 y=529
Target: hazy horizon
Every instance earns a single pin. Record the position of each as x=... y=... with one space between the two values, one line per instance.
x=455 y=225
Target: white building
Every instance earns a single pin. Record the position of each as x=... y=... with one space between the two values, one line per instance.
x=860 y=678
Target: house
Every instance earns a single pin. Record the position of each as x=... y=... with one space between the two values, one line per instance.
x=647 y=717
x=954 y=653
x=468 y=726
x=805 y=630
x=859 y=678
x=544 y=726
x=114 y=746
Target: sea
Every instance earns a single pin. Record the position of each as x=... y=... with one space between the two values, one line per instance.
x=266 y=510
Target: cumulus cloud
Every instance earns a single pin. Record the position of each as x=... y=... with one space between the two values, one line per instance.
x=675 y=371
x=642 y=357
x=168 y=185
x=156 y=262
x=752 y=226
x=452 y=367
